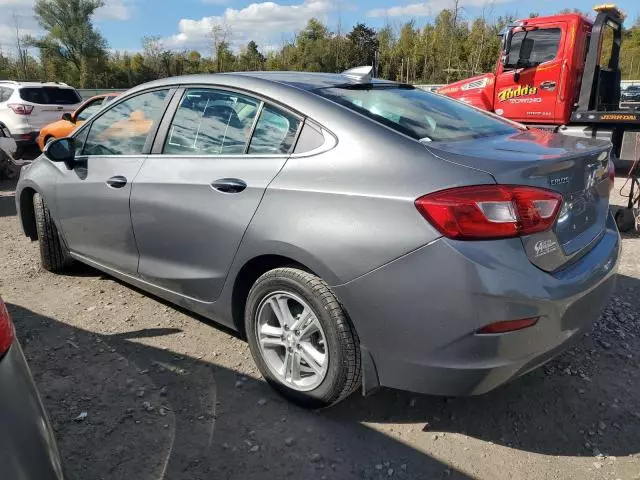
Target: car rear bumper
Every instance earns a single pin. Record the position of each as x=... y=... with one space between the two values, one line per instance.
x=25 y=138
x=417 y=317
x=27 y=445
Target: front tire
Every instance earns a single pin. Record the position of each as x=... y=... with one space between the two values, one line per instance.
x=54 y=256
x=301 y=339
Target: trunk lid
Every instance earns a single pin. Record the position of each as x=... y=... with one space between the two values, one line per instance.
x=575 y=167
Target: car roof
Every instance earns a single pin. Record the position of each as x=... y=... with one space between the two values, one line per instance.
x=33 y=84
x=305 y=80
x=301 y=80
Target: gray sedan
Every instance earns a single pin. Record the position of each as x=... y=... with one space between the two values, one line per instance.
x=27 y=446
x=359 y=232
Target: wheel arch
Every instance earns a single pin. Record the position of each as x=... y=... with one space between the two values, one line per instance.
x=27 y=213
x=247 y=275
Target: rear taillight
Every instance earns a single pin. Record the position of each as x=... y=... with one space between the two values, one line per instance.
x=20 y=109
x=6 y=329
x=490 y=211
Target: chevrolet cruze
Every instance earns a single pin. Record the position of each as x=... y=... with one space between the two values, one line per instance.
x=359 y=232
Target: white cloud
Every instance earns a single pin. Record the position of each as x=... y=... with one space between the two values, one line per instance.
x=16 y=13
x=11 y=3
x=114 y=10
x=425 y=9
x=263 y=22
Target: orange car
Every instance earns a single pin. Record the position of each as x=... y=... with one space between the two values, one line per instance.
x=65 y=126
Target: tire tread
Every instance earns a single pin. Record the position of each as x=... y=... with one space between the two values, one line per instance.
x=53 y=254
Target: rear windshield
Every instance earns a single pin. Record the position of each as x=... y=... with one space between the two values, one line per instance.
x=419 y=114
x=50 y=95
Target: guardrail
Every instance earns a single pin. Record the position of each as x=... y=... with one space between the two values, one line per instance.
x=92 y=92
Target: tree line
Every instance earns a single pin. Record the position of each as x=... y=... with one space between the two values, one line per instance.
x=446 y=49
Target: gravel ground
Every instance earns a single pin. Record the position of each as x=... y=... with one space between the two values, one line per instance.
x=139 y=389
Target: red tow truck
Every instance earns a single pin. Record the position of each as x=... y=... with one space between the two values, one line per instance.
x=561 y=73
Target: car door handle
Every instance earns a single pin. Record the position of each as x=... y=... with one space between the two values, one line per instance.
x=117 y=182
x=229 y=185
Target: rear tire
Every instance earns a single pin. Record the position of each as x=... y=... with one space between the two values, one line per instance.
x=54 y=256
x=625 y=219
x=339 y=341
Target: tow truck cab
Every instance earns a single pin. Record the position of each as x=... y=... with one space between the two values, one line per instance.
x=538 y=73
x=559 y=73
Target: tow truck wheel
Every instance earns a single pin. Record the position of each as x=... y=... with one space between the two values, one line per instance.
x=625 y=220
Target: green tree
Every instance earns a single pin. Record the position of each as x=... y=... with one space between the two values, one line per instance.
x=71 y=37
x=250 y=58
x=362 y=45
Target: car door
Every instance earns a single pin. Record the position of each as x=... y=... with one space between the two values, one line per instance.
x=530 y=93
x=197 y=192
x=92 y=198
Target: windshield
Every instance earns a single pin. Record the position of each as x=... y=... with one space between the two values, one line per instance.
x=419 y=114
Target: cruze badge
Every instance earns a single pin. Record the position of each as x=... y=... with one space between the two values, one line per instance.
x=559 y=181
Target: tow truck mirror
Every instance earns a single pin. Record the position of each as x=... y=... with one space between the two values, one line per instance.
x=506 y=46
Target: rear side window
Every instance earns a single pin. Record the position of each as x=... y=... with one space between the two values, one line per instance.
x=421 y=115
x=536 y=46
x=50 y=95
x=123 y=128
x=5 y=94
x=275 y=132
x=211 y=122
x=310 y=138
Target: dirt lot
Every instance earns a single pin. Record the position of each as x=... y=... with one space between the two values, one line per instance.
x=170 y=395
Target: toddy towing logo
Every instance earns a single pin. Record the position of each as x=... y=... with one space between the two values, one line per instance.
x=521 y=91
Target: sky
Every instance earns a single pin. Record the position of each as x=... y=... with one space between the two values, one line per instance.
x=186 y=24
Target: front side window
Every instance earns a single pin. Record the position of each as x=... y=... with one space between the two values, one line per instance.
x=421 y=115
x=123 y=129
x=275 y=132
x=89 y=110
x=534 y=47
x=211 y=122
x=80 y=139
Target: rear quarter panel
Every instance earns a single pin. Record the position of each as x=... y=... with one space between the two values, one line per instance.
x=349 y=210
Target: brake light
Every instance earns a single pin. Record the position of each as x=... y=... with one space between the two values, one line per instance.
x=20 y=109
x=483 y=212
x=6 y=329
x=508 y=326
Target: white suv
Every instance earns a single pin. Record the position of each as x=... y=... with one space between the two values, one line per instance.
x=26 y=107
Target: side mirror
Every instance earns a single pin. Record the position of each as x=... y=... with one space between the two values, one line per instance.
x=506 y=46
x=61 y=150
x=67 y=116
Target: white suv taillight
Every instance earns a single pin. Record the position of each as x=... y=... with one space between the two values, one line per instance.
x=483 y=212
x=20 y=109
x=6 y=329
